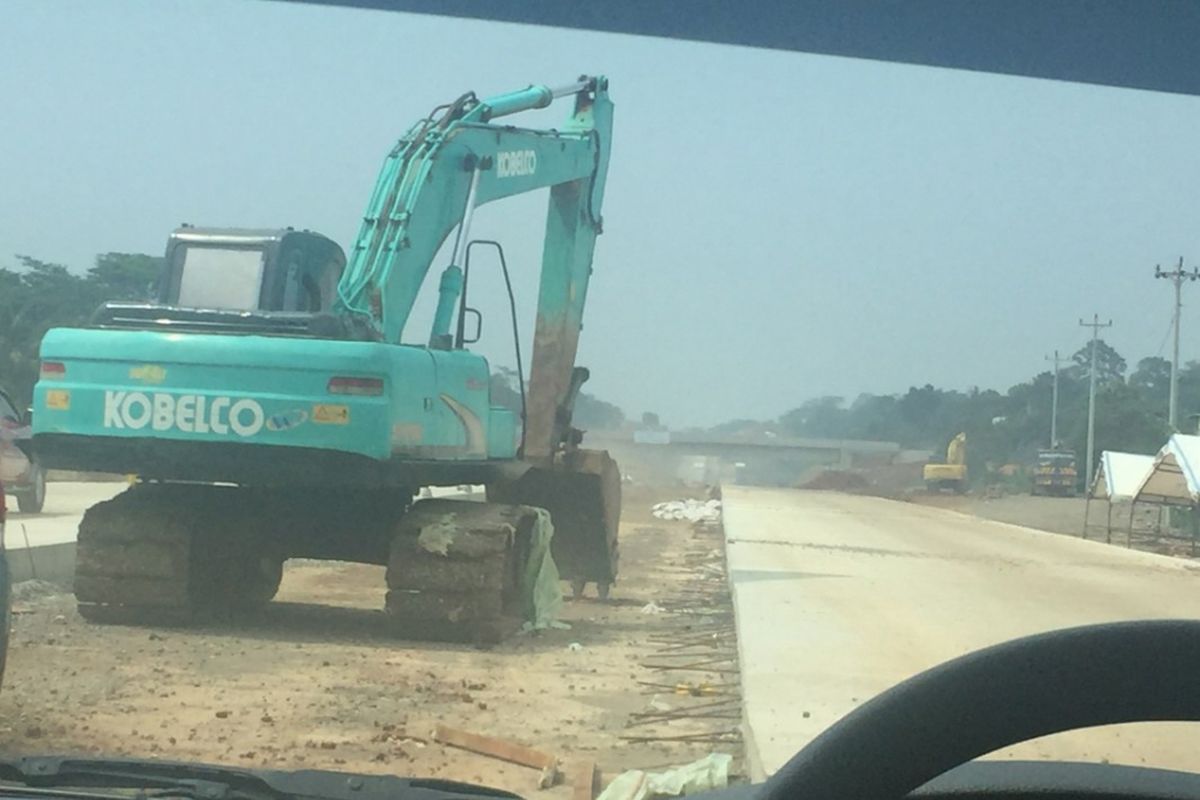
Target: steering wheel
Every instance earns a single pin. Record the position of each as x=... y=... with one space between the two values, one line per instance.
x=1075 y=678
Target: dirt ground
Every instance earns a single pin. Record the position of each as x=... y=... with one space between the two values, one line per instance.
x=317 y=681
x=1066 y=515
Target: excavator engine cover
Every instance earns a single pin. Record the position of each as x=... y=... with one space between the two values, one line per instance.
x=582 y=492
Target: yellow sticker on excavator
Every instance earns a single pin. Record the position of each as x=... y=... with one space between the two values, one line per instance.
x=58 y=399
x=148 y=373
x=330 y=414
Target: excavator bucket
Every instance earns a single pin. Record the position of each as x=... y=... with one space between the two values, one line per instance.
x=582 y=492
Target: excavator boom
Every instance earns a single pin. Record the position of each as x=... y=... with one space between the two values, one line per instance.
x=430 y=184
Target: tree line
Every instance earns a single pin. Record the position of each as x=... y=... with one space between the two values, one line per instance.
x=590 y=414
x=36 y=296
x=1011 y=426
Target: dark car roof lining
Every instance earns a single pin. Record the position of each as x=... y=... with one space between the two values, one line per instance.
x=1125 y=43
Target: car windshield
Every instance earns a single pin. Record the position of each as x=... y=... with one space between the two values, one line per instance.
x=640 y=403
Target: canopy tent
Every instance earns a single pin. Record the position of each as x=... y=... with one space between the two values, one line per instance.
x=1120 y=475
x=1117 y=480
x=1172 y=480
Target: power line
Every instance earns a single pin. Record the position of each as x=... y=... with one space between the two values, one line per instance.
x=1166 y=334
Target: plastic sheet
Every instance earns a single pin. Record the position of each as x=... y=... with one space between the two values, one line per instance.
x=710 y=772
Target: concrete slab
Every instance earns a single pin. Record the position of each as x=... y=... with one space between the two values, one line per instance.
x=43 y=545
x=840 y=597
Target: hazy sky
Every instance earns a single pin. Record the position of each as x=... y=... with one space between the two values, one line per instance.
x=777 y=226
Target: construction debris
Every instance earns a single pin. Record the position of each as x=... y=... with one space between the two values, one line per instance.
x=530 y=690
x=698 y=662
x=582 y=777
x=710 y=772
x=25 y=591
x=691 y=510
x=503 y=750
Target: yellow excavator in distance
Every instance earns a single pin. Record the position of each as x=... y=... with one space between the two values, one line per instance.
x=952 y=474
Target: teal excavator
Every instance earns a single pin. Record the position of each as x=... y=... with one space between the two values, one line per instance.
x=272 y=408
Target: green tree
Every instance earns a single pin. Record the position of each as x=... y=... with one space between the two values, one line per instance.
x=591 y=413
x=1153 y=379
x=1124 y=422
x=37 y=295
x=594 y=414
x=505 y=389
x=821 y=417
x=1110 y=366
x=125 y=276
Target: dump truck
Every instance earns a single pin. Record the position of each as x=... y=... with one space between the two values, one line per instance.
x=1055 y=473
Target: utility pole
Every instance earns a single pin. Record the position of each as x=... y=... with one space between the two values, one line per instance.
x=1095 y=325
x=1054 y=404
x=1176 y=276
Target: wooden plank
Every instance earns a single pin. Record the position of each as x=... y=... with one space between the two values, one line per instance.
x=496 y=748
x=582 y=778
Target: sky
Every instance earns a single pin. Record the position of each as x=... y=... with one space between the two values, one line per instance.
x=778 y=226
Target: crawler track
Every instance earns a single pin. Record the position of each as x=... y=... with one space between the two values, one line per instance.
x=172 y=553
x=169 y=552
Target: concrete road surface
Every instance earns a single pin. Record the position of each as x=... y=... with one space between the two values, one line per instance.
x=59 y=520
x=839 y=597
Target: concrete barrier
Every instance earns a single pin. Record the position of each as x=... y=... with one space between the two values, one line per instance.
x=46 y=562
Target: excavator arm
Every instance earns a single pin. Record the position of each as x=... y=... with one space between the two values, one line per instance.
x=438 y=174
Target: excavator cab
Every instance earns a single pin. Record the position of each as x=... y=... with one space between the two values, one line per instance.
x=280 y=282
x=251 y=270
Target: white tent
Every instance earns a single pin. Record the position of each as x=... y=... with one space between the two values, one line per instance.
x=1120 y=475
x=1173 y=478
x=1117 y=480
